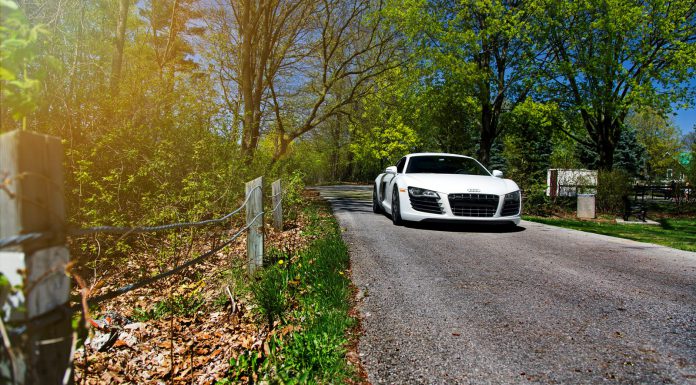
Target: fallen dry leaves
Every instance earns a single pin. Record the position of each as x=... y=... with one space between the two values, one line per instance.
x=176 y=349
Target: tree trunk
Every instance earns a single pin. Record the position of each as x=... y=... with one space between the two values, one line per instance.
x=117 y=63
x=605 y=134
x=246 y=77
x=486 y=141
x=606 y=145
x=488 y=114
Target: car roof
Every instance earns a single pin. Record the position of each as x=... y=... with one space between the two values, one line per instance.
x=437 y=154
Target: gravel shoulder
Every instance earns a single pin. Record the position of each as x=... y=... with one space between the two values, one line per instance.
x=481 y=305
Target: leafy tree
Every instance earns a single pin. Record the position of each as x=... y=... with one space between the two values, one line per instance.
x=528 y=145
x=690 y=139
x=482 y=43
x=660 y=138
x=331 y=50
x=611 y=56
x=381 y=138
x=444 y=114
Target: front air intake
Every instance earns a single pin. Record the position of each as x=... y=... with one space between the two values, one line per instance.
x=430 y=205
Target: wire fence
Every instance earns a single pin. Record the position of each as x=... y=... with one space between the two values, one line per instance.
x=19 y=240
x=178 y=269
x=137 y=230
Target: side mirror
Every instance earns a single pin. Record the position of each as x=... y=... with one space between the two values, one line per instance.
x=497 y=173
x=390 y=170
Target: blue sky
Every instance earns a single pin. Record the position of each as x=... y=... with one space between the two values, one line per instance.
x=685 y=120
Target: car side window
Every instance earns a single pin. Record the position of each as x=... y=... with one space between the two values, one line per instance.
x=400 y=165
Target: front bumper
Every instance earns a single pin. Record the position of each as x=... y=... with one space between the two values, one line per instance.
x=408 y=213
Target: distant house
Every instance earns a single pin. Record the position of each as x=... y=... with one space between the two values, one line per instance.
x=570 y=182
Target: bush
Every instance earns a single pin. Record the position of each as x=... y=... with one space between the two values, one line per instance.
x=536 y=202
x=293 y=186
x=612 y=186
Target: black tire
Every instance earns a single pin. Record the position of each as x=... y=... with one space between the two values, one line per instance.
x=396 y=208
x=376 y=207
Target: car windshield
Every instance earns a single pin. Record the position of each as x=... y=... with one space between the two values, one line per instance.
x=434 y=164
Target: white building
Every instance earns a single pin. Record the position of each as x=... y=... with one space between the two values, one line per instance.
x=570 y=182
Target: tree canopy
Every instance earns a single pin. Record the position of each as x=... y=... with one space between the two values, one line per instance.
x=338 y=88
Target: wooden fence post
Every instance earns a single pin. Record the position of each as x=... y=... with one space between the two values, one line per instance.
x=254 y=207
x=277 y=205
x=36 y=316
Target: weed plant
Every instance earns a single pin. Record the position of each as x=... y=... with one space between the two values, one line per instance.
x=178 y=305
x=271 y=294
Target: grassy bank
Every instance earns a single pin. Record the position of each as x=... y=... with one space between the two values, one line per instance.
x=676 y=233
x=305 y=301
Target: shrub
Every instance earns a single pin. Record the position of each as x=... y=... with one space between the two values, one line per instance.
x=536 y=202
x=612 y=186
x=293 y=186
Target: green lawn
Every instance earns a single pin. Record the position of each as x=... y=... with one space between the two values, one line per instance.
x=676 y=233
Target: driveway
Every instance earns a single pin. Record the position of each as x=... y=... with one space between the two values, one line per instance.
x=540 y=304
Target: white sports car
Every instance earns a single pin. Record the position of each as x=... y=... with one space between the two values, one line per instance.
x=437 y=187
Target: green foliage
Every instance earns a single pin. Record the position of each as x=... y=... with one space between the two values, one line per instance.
x=535 y=200
x=445 y=114
x=660 y=138
x=5 y=291
x=612 y=186
x=177 y=305
x=609 y=61
x=293 y=186
x=271 y=293
x=482 y=49
x=311 y=357
x=20 y=78
x=528 y=145
x=247 y=367
x=381 y=136
x=630 y=155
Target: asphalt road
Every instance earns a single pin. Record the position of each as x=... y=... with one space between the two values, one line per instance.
x=541 y=304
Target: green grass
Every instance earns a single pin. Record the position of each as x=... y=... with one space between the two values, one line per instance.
x=676 y=233
x=311 y=293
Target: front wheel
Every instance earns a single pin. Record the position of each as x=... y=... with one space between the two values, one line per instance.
x=396 y=208
x=376 y=208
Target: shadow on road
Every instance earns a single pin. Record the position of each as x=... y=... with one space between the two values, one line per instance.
x=465 y=227
x=350 y=205
x=348 y=198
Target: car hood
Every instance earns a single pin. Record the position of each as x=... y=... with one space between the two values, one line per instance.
x=454 y=183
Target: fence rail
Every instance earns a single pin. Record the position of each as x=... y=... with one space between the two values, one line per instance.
x=178 y=269
x=37 y=238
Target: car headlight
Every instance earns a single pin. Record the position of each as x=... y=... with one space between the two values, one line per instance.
x=513 y=196
x=421 y=192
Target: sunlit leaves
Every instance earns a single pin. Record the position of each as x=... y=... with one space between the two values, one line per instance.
x=18 y=50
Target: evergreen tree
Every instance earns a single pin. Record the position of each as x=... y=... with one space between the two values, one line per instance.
x=630 y=155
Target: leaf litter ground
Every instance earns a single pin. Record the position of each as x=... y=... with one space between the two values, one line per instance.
x=192 y=339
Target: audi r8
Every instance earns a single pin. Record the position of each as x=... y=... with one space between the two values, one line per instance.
x=439 y=187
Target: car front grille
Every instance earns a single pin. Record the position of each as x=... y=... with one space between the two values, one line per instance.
x=426 y=204
x=473 y=205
